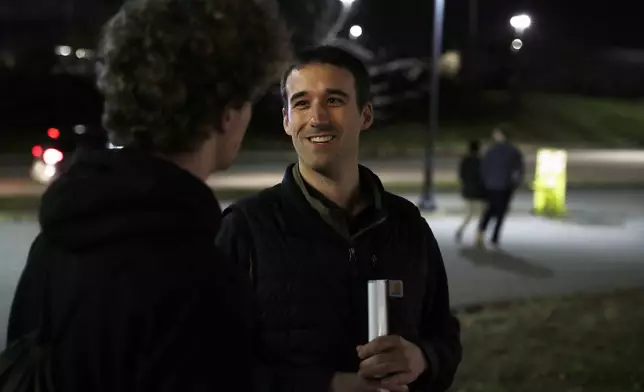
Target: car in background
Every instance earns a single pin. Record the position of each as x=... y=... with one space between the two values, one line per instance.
x=55 y=153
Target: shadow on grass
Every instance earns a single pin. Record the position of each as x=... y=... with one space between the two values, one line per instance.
x=502 y=260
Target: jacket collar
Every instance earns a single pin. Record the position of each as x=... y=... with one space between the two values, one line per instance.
x=312 y=206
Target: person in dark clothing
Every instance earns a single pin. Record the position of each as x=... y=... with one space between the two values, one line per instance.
x=472 y=188
x=125 y=264
x=502 y=171
x=311 y=243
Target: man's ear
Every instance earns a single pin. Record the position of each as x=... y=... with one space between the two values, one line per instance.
x=227 y=117
x=286 y=122
x=367 y=116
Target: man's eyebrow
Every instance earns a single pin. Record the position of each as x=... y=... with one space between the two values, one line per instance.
x=336 y=91
x=298 y=95
x=331 y=91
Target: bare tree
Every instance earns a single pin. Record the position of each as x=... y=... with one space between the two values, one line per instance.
x=332 y=21
x=311 y=21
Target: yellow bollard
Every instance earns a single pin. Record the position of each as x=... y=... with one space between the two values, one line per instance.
x=550 y=182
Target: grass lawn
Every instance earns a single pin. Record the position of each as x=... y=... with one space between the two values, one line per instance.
x=591 y=343
x=582 y=120
x=19 y=204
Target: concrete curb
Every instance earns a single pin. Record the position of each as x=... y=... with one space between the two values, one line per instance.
x=23 y=215
x=391 y=185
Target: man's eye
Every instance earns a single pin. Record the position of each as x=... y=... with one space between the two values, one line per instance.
x=299 y=104
x=335 y=101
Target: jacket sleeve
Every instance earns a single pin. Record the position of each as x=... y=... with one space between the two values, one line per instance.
x=204 y=345
x=461 y=171
x=439 y=330
x=485 y=168
x=27 y=304
x=519 y=168
x=236 y=243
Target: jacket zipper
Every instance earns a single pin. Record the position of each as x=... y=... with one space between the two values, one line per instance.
x=352 y=255
x=352 y=250
x=371 y=226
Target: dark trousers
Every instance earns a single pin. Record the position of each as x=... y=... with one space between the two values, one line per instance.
x=497 y=208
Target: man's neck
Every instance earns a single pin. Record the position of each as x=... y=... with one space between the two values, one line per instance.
x=342 y=188
x=192 y=166
x=200 y=162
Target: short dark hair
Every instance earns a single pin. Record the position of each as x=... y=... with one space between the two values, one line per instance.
x=168 y=68
x=474 y=146
x=338 y=57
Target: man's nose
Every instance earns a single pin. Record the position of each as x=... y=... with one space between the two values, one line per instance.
x=319 y=115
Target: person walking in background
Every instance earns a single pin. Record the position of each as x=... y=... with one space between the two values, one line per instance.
x=472 y=188
x=502 y=171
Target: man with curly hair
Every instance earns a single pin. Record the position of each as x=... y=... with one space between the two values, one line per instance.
x=134 y=294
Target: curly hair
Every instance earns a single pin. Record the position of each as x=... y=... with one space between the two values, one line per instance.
x=168 y=68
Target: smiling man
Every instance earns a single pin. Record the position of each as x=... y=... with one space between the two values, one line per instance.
x=311 y=243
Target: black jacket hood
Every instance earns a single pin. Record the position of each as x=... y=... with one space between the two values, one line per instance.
x=117 y=195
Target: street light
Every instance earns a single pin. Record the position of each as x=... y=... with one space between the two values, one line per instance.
x=520 y=23
x=427 y=198
x=63 y=50
x=517 y=44
x=355 y=31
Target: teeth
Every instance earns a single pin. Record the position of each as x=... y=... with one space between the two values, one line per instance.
x=321 y=139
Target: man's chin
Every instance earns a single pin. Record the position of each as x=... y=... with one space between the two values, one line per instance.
x=222 y=166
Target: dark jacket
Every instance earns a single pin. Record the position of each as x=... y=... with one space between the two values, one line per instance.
x=130 y=239
x=310 y=282
x=502 y=167
x=469 y=171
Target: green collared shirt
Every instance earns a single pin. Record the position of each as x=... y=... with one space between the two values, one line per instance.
x=338 y=218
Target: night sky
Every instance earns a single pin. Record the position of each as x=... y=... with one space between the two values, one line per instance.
x=605 y=23
x=405 y=25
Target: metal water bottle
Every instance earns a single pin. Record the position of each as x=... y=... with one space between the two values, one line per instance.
x=378 y=311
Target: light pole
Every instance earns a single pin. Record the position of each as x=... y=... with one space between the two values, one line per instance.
x=520 y=23
x=470 y=58
x=427 y=198
x=340 y=22
x=517 y=44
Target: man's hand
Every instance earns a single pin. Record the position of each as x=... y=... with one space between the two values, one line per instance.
x=351 y=382
x=392 y=360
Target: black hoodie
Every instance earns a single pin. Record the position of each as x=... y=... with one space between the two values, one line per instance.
x=127 y=249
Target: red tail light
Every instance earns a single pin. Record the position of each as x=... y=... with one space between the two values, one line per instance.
x=53 y=133
x=51 y=156
x=36 y=151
